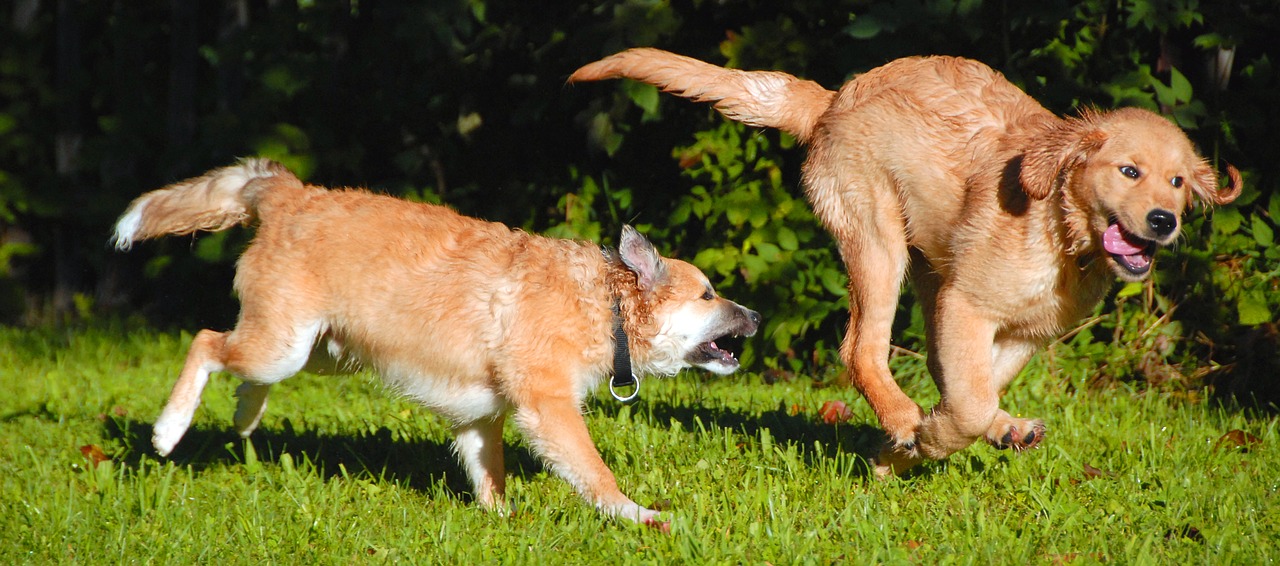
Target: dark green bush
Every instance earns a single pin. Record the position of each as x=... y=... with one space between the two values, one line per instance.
x=464 y=102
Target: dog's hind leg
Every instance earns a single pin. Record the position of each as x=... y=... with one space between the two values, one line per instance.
x=252 y=397
x=251 y=403
x=205 y=356
x=261 y=351
x=860 y=207
x=876 y=261
x=479 y=446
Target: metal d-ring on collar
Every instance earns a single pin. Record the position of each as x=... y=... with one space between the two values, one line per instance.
x=623 y=377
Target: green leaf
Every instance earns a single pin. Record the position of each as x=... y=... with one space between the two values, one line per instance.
x=477 y=10
x=787 y=239
x=768 y=252
x=644 y=96
x=211 y=247
x=1252 y=309
x=283 y=80
x=1227 y=220
x=863 y=27
x=1180 y=86
x=1164 y=94
x=1130 y=289
x=1262 y=233
x=834 y=282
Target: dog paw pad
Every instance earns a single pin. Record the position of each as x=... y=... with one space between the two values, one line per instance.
x=1030 y=439
x=1014 y=438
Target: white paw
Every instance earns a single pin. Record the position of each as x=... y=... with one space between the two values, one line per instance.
x=631 y=511
x=167 y=431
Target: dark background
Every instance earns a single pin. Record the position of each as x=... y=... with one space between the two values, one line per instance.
x=465 y=102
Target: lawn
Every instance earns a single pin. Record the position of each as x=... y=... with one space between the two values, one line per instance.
x=341 y=471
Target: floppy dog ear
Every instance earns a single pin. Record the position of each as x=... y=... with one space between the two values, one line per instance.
x=1204 y=183
x=640 y=257
x=1052 y=156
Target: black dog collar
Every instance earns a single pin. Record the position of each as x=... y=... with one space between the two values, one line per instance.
x=623 y=377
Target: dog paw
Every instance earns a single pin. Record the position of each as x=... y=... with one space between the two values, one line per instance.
x=1019 y=435
x=166 y=434
x=663 y=527
x=896 y=457
x=633 y=512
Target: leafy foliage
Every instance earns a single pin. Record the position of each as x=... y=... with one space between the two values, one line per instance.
x=760 y=238
x=463 y=102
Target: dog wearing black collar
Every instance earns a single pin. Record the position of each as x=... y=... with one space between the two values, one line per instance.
x=471 y=318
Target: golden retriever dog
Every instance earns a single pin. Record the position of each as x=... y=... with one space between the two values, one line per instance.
x=470 y=318
x=1011 y=221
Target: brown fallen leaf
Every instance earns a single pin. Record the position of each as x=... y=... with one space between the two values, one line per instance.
x=1062 y=559
x=94 y=453
x=772 y=376
x=1237 y=439
x=115 y=410
x=835 y=412
x=1091 y=472
x=689 y=159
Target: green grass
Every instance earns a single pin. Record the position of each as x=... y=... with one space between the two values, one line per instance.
x=341 y=472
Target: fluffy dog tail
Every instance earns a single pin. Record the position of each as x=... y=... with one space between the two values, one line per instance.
x=214 y=201
x=758 y=98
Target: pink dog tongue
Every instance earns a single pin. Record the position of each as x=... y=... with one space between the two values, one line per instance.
x=1117 y=241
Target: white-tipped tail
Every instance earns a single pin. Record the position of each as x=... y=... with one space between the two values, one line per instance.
x=127 y=225
x=214 y=201
x=757 y=98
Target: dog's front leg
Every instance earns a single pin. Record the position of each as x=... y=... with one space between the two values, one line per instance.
x=479 y=446
x=1009 y=355
x=555 y=429
x=970 y=398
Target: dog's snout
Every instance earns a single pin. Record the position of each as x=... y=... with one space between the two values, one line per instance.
x=1162 y=222
x=752 y=320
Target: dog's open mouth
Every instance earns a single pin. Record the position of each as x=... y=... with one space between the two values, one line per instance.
x=709 y=355
x=1129 y=251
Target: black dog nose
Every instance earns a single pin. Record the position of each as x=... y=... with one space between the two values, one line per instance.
x=1162 y=222
x=753 y=316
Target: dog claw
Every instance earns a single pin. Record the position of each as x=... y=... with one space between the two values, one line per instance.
x=1017 y=440
x=663 y=527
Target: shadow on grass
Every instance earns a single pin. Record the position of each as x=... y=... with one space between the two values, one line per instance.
x=425 y=465
x=422 y=465
x=814 y=440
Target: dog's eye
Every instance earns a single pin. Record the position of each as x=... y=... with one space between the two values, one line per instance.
x=1176 y=182
x=1130 y=171
x=708 y=295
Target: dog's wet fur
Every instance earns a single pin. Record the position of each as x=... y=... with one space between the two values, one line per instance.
x=1012 y=222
